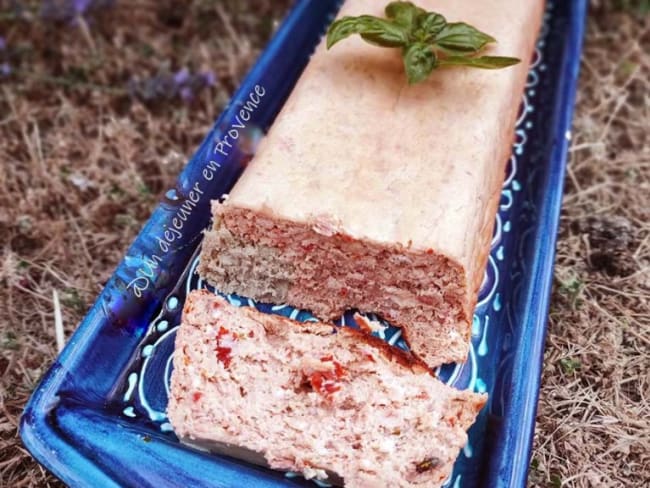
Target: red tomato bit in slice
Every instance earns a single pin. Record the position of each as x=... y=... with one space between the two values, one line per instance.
x=339 y=370
x=222 y=332
x=316 y=380
x=326 y=382
x=196 y=396
x=223 y=355
x=331 y=387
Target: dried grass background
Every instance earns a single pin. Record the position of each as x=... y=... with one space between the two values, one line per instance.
x=83 y=166
x=593 y=425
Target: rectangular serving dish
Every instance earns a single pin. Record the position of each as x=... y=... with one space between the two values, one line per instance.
x=98 y=416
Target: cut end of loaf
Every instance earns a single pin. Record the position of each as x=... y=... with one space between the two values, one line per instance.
x=331 y=403
x=319 y=268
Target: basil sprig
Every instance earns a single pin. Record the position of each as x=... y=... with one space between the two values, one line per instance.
x=427 y=40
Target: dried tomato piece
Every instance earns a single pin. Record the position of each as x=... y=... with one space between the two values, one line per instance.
x=325 y=382
x=223 y=355
x=316 y=380
x=339 y=370
x=331 y=387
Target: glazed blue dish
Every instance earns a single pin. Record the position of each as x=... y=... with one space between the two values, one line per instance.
x=97 y=419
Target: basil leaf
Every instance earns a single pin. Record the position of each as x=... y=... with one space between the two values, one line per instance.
x=485 y=62
x=374 y=30
x=462 y=38
x=419 y=62
x=429 y=25
x=404 y=13
x=423 y=36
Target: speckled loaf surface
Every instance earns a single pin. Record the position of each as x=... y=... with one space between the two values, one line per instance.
x=369 y=193
x=331 y=403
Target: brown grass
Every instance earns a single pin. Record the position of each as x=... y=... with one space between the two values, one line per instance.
x=83 y=166
x=594 y=413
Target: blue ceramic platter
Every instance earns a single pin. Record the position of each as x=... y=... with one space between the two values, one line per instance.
x=98 y=417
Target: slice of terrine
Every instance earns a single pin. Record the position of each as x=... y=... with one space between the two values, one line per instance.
x=332 y=403
x=369 y=193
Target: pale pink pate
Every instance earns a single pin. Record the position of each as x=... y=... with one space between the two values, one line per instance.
x=332 y=403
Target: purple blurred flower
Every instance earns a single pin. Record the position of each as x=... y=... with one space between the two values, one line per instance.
x=182 y=76
x=80 y=6
x=161 y=86
x=5 y=67
x=5 y=70
x=70 y=10
x=166 y=86
x=209 y=78
x=186 y=93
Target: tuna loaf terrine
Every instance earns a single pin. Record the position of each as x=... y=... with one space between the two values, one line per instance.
x=369 y=193
x=332 y=403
